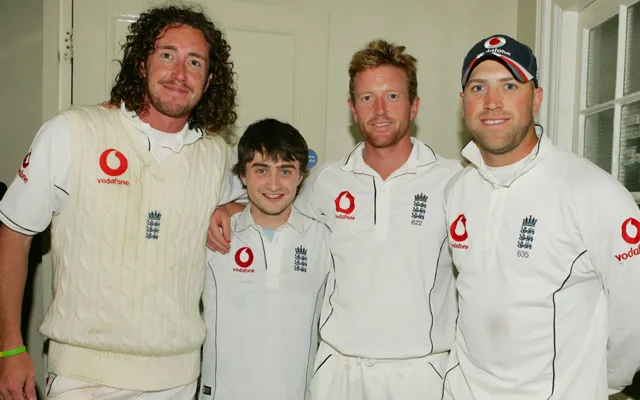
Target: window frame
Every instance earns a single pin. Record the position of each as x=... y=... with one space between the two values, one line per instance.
x=562 y=43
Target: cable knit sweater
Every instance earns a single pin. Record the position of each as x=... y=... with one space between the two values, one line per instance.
x=129 y=255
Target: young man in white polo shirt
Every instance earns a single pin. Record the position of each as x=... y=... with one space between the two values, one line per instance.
x=389 y=320
x=262 y=299
x=546 y=245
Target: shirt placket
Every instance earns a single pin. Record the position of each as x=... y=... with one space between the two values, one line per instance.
x=273 y=255
x=493 y=224
x=382 y=207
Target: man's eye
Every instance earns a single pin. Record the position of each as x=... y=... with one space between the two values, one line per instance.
x=366 y=98
x=165 y=55
x=393 y=96
x=196 y=63
x=476 y=88
x=286 y=172
x=511 y=86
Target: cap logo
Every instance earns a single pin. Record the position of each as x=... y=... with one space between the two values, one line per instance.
x=495 y=42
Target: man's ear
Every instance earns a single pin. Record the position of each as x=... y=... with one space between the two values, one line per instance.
x=415 y=104
x=243 y=178
x=352 y=108
x=537 y=100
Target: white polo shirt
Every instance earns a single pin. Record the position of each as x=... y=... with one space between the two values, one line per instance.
x=261 y=307
x=549 y=280
x=394 y=296
x=43 y=183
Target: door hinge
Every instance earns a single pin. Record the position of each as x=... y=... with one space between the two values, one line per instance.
x=66 y=45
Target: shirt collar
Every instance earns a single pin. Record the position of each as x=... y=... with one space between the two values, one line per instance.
x=472 y=153
x=245 y=220
x=421 y=155
x=185 y=137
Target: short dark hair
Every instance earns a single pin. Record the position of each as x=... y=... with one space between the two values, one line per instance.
x=216 y=109
x=273 y=139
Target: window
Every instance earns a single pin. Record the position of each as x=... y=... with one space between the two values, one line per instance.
x=610 y=95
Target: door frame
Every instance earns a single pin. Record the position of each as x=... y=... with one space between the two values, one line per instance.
x=57 y=21
x=56 y=96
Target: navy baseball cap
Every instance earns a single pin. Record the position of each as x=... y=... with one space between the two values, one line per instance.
x=518 y=58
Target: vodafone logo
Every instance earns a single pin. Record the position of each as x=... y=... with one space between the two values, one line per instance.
x=345 y=204
x=458 y=232
x=495 y=42
x=25 y=164
x=244 y=259
x=635 y=239
x=27 y=159
x=113 y=171
x=123 y=164
x=630 y=234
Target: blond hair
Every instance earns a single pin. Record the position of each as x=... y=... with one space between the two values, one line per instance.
x=378 y=53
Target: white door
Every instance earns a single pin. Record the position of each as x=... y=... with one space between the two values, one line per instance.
x=280 y=56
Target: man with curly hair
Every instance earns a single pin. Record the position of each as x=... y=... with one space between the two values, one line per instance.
x=129 y=191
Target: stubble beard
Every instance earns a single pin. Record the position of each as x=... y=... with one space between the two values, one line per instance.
x=169 y=108
x=388 y=142
x=515 y=138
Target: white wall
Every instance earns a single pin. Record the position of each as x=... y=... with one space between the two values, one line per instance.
x=21 y=105
x=438 y=34
x=527 y=10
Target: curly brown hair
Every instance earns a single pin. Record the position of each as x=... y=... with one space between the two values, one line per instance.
x=378 y=53
x=216 y=109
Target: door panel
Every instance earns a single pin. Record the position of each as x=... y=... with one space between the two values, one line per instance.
x=280 y=57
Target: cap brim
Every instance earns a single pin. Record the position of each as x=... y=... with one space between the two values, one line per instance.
x=518 y=71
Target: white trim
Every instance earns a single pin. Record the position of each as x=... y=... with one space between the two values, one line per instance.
x=552 y=88
x=598 y=107
x=619 y=89
x=566 y=102
x=543 y=54
x=556 y=45
x=622 y=54
x=56 y=73
x=56 y=96
x=66 y=67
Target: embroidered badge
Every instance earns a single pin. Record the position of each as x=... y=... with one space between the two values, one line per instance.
x=419 y=209
x=153 y=225
x=345 y=204
x=22 y=171
x=300 y=260
x=525 y=239
x=113 y=164
x=244 y=259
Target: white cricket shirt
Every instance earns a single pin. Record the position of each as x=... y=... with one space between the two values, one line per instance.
x=394 y=292
x=262 y=306
x=549 y=278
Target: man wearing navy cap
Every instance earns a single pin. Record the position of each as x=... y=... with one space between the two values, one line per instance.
x=547 y=249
